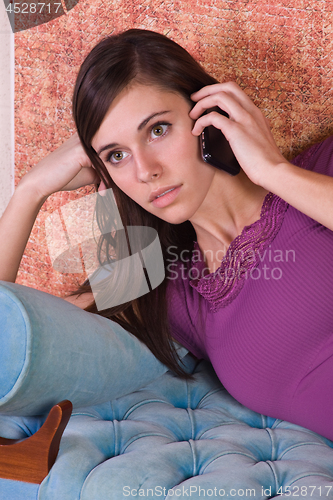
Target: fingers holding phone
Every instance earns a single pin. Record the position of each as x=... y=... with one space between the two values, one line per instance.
x=215 y=149
x=242 y=124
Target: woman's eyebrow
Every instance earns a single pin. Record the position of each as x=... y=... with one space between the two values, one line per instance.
x=144 y=123
x=108 y=146
x=140 y=127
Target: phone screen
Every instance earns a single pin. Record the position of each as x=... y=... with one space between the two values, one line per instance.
x=215 y=148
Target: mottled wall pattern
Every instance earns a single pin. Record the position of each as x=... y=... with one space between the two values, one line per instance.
x=280 y=52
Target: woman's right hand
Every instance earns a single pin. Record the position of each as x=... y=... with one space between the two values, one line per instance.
x=65 y=169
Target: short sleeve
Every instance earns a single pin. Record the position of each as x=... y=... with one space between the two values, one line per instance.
x=318 y=158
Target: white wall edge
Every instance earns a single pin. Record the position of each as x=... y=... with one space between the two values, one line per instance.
x=7 y=145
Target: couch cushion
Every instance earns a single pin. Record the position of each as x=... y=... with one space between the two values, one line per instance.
x=14 y=490
x=186 y=439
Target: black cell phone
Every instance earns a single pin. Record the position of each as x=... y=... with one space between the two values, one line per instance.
x=215 y=148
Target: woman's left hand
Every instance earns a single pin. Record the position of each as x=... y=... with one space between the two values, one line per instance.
x=246 y=129
x=251 y=140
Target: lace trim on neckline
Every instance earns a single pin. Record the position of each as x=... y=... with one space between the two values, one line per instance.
x=243 y=256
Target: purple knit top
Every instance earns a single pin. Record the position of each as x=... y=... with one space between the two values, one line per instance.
x=265 y=318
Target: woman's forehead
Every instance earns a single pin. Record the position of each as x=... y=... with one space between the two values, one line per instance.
x=137 y=95
x=136 y=105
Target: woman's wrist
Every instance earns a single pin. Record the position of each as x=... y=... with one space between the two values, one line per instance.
x=275 y=178
x=27 y=190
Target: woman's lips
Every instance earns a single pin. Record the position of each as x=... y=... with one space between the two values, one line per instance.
x=165 y=199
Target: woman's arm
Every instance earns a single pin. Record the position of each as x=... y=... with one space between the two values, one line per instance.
x=15 y=227
x=307 y=191
x=66 y=168
x=249 y=135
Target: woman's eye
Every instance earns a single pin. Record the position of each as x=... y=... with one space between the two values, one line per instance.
x=159 y=130
x=117 y=156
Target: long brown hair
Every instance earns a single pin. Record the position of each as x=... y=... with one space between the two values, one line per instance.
x=148 y=58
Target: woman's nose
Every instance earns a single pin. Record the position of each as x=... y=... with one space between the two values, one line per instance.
x=148 y=167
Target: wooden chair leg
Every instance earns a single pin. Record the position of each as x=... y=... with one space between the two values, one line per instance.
x=31 y=459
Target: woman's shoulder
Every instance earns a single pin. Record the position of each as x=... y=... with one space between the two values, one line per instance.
x=318 y=157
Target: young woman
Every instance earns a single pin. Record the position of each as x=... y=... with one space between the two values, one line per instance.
x=248 y=258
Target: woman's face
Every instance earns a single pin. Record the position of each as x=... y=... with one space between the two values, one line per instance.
x=146 y=143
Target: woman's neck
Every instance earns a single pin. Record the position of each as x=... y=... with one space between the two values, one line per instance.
x=231 y=204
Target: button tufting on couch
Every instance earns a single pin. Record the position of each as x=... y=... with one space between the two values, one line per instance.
x=186 y=439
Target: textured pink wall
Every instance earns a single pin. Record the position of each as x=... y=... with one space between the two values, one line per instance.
x=280 y=52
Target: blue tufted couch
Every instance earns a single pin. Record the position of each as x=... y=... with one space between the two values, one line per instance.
x=136 y=430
